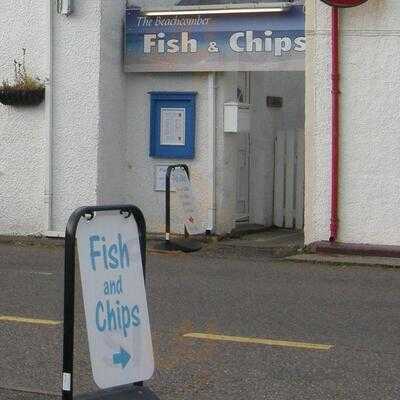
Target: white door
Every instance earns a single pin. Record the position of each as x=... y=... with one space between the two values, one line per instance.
x=242 y=184
x=289 y=179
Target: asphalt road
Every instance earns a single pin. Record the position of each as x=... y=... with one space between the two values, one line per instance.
x=354 y=309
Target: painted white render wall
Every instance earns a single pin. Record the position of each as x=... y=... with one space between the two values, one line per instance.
x=265 y=124
x=139 y=166
x=76 y=109
x=112 y=97
x=369 y=185
x=22 y=129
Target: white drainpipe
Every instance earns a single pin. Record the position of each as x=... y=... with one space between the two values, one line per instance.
x=212 y=150
x=48 y=191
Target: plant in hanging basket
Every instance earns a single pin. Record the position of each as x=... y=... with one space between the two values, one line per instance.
x=25 y=91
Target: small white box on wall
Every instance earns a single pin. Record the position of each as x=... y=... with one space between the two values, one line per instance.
x=236 y=118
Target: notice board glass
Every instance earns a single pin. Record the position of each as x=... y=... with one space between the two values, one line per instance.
x=173 y=124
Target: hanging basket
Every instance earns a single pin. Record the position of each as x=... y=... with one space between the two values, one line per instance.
x=12 y=97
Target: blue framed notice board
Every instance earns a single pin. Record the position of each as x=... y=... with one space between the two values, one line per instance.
x=173 y=124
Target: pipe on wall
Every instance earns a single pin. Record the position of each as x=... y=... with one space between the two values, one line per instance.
x=48 y=191
x=335 y=124
x=212 y=150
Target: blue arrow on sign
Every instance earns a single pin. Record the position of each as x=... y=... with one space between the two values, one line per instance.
x=122 y=358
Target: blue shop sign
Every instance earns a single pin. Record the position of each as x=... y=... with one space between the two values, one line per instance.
x=231 y=42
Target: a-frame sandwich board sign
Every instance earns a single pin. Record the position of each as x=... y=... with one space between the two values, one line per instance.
x=111 y=242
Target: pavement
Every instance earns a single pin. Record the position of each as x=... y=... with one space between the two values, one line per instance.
x=226 y=323
x=274 y=242
x=339 y=259
x=289 y=244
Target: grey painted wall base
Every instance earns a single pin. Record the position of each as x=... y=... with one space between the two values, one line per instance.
x=355 y=249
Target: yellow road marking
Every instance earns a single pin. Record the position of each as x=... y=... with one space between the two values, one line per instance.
x=268 y=342
x=34 y=321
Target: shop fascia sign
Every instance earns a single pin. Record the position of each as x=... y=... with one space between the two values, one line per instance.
x=211 y=42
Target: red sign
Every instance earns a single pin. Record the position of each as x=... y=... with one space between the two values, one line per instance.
x=344 y=3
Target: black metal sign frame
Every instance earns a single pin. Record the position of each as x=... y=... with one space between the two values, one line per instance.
x=69 y=281
x=186 y=245
x=168 y=199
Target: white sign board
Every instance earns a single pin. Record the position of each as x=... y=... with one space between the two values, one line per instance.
x=160 y=178
x=173 y=124
x=188 y=205
x=115 y=303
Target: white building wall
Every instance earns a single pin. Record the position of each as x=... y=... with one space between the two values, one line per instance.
x=76 y=109
x=101 y=123
x=22 y=129
x=96 y=157
x=76 y=65
x=137 y=184
x=139 y=166
x=112 y=97
x=369 y=185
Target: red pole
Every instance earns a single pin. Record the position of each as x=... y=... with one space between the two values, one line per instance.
x=335 y=123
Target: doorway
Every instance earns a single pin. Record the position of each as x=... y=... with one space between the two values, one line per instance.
x=243 y=179
x=275 y=150
x=243 y=153
x=289 y=179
